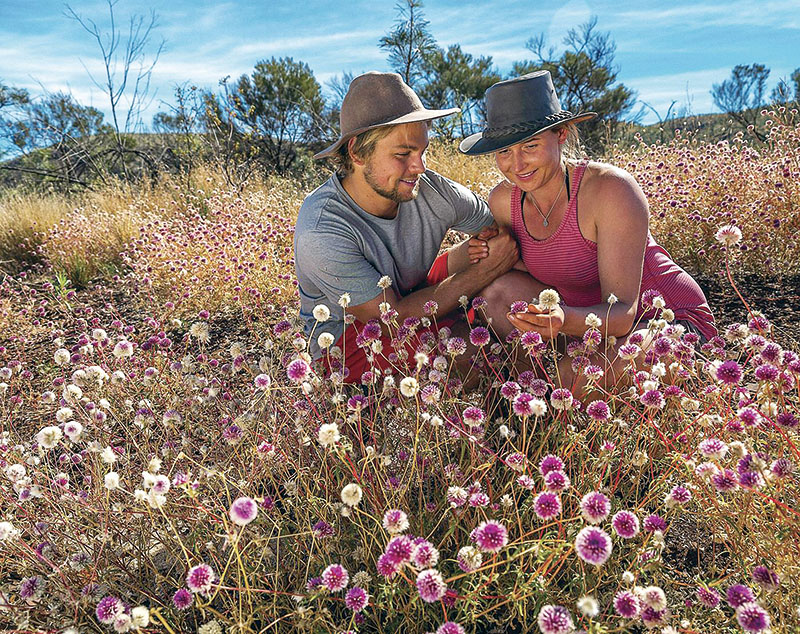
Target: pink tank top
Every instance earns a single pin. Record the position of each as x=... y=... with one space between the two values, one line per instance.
x=567 y=262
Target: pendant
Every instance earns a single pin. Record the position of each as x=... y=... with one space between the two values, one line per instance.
x=544 y=222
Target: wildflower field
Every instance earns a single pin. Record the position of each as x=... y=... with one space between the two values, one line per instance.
x=171 y=461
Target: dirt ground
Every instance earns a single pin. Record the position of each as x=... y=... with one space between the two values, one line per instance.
x=777 y=298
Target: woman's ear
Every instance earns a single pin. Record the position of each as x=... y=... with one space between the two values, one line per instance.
x=562 y=135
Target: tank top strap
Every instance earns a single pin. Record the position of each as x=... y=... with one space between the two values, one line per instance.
x=516 y=210
x=577 y=176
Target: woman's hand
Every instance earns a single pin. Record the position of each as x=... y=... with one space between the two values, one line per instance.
x=547 y=322
x=478 y=246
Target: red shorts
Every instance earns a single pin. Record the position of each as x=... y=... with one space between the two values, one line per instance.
x=356 y=359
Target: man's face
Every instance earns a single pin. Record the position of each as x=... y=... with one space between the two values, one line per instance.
x=394 y=168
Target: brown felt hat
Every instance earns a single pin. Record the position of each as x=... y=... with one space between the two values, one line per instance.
x=519 y=109
x=375 y=100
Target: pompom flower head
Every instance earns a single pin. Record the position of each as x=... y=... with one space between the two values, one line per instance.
x=335 y=577
x=243 y=511
x=555 y=619
x=593 y=545
x=490 y=536
x=200 y=578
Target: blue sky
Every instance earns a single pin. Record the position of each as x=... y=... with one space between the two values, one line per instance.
x=666 y=51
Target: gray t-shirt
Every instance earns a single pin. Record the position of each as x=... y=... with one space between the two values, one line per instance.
x=340 y=248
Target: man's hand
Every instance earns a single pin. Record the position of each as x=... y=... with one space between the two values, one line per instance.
x=547 y=322
x=502 y=253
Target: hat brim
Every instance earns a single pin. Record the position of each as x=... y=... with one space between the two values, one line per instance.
x=477 y=144
x=411 y=117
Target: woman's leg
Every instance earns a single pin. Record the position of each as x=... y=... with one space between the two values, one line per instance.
x=504 y=291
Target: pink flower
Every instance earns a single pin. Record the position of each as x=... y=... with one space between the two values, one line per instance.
x=297 y=370
x=547 y=505
x=335 y=577
x=108 y=608
x=627 y=604
x=182 y=599
x=479 y=336
x=356 y=599
x=554 y=619
x=550 y=463
x=490 y=536
x=431 y=585
x=243 y=511
x=200 y=578
x=593 y=545
x=595 y=507
x=625 y=524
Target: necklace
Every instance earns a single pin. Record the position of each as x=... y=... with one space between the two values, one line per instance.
x=549 y=211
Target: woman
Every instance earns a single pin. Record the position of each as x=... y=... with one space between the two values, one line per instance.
x=582 y=227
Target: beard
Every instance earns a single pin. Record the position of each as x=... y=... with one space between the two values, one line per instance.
x=391 y=194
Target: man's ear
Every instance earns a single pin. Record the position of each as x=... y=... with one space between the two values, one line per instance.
x=357 y=160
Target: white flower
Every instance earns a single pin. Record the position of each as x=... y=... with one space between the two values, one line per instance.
x=49 y=437
x=658 y=302
x=627 y=577
x=321 y=313
x=612 y=299
x=593 y=321
x=549 y=298
x=351 y=494
x=63 y=414
x=588 y=606
x=328 y=434
x=344 y=300
x=325 y=340
x=73 y=430
x=61 y=356
x=409 y=387
x=123 y=349
x=463 y=301
x=48 y=396
x=212 y=627
x=538 y=407
x=199 y=330
x=728 y=235
x=667 y=314
x=111 y=480
x=98 y=334
x=385 y=282
x=7 y=531
x=140 y=616
x=156 y=500
x=71 y=393
x=108 y=455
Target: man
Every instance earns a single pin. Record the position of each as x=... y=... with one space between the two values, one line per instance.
x=383 y=215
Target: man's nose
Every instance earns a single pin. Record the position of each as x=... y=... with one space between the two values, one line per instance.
x=418 y=164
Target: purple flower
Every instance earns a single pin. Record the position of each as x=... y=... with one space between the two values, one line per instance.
x=708 y=596
x=561 y=399
x=519 y=307
x=425 y=554
x=627 y=604
x=243 y=511
x=766 y=578
x=752 y=617
x=554 y=619
x=335 y=577
x=653 y=618
x=386 y=566
x=322 y=530
x=399 y=550
x=678 y=495
x=724 y=481
x=550 y=463
x=598 y=410
x=767 y=372
x=297 y=370
x=782 y=468
x=524 y=404
x=547 y=505
x=595 y=507
x=450 y=627
x=556 y=481
x=713 y=448
x=787 y=420
x=313 y=583
x=625 y=524
x=200 y=578
x=510 y=389
x=593 y=545
x=479 y=336
x=739 y=594
x=473 y=416
x=182 y=599
x=729 y=372
x=395 y=521
x=652 y=399
x=356 y=599
x=490 y=536
x=108 y=608
x=430 y=585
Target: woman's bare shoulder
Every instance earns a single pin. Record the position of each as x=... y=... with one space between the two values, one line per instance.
x=500 y=202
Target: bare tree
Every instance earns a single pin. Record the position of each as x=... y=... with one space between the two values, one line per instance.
x=742 y=95
x=128 y=67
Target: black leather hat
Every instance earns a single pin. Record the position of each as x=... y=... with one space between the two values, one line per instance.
x=518 y=109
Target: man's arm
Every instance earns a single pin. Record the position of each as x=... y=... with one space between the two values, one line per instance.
x=468 y=281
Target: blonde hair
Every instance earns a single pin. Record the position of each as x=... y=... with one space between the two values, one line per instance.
x=363 y=148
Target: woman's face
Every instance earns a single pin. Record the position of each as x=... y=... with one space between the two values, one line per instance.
x=532 y=163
